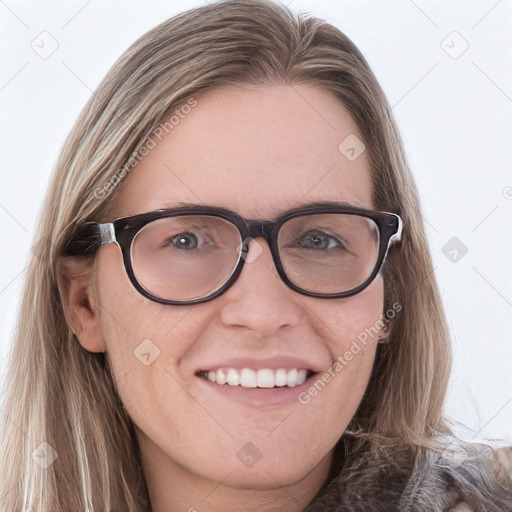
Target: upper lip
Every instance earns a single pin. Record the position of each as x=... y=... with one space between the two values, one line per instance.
x=273 y=363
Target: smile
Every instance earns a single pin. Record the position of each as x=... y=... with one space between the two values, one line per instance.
x=262 y=378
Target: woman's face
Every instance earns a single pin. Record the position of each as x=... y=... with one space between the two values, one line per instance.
x=258 y=152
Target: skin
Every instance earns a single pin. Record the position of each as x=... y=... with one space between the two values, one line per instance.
x=257 y=151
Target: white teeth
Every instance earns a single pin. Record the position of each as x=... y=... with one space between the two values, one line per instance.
x=248 y=378
x=233 y=377
x=265 y=378
x=262 y=378
x=302 y=375
x=291 y=378
x=221 y=377
x=280 y=378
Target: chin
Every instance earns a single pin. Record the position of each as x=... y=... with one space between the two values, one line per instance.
x=263 y=470
x=268 y=477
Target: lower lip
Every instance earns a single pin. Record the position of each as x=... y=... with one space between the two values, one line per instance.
x=260 y=397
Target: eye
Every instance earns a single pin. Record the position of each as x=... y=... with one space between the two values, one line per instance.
x=186 y=241
x=320 y=240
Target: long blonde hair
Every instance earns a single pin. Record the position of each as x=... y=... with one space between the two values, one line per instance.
x=60 y=394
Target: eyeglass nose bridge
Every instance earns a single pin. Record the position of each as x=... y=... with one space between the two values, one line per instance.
x=256 y=229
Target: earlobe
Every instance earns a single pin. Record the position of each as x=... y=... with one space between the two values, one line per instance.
x=75 y=277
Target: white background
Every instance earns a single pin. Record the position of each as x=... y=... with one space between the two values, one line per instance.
x=454 y=114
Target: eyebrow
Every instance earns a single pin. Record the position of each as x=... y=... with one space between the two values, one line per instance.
x=274 y=211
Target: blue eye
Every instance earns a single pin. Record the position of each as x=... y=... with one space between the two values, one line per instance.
x=320 y=240
x=186 y=241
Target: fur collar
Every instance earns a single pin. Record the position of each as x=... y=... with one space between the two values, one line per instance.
x=394 y=480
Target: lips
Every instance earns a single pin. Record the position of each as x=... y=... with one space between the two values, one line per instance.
x=268 y=384
x=257 y=377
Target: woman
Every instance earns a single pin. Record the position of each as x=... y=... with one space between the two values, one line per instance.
x=234 y=307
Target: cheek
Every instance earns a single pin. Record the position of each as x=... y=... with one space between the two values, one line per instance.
x=342 y=319
x=351 y=330
x=141 y=337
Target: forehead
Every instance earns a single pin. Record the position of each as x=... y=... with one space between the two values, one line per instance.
x=258 y=151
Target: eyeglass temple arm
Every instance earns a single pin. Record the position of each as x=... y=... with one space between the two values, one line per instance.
x=107 y=233
x=89 y=238
x=398 y=235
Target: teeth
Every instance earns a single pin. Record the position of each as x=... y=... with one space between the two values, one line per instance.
x=262 y=378
x=302 y=375
x=233 y=377
x=291 y=378
x=247 y=378
x=221 y=377
x=280 y=377
x=265 y=378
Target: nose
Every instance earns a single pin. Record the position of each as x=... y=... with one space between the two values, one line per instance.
x=259 y=300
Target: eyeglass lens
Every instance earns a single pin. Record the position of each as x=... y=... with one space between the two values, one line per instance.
x=188 y=257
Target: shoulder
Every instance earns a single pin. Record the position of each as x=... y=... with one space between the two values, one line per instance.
x=463 y=477
x=478 y=476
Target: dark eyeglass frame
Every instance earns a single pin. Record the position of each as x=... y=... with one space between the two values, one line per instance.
x=90 y=236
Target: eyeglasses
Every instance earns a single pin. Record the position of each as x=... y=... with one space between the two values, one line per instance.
x=190 y=255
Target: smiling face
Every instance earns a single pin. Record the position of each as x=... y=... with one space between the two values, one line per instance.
x=258 y=152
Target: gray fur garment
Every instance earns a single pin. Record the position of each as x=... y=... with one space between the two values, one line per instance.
x=392 y=480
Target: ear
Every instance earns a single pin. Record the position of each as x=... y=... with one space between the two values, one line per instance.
x=76 y=288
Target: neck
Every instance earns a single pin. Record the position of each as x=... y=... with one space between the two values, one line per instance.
x=173 y=488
